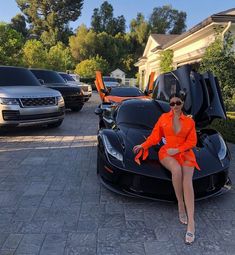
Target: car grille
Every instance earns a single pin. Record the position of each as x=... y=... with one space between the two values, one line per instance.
x=85 y=88
x=35 y=102
x=70 y=99
x=15 y=115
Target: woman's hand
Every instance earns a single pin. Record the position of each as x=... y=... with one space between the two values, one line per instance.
x=172 y=152
x=137 y=148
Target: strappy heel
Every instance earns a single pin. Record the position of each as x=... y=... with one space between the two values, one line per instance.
x=183 y=218
x=189 y=238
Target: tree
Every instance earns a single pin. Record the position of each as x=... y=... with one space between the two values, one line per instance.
x=102 y=20
x=88 y=67
x=48 y=18
x=219 y=58
x=140 y=29
x=11 y=43
x=34 y=54
x=165 y=20
x=59 y=58
x=166 y=61
x=84 y=44
x=19 y=24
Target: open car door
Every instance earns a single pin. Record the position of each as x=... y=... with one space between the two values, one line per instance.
x=102 y=90
x=149 y=88
x=203 y=95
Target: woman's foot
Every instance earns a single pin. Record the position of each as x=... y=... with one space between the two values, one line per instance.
x=183 y=218
x=189 y=237
x=182 y=214
x=190 y=234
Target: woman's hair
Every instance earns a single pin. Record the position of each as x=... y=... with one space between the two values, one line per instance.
x=181 y=95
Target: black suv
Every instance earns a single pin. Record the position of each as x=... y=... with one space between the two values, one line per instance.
x=72 y=94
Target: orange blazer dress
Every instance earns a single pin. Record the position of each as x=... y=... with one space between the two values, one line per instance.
x=184 y=140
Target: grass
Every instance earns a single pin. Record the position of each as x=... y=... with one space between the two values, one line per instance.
x=226 y=127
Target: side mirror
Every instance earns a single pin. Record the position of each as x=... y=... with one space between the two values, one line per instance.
x=98 y=111
x=41 y=81
x=148 y=92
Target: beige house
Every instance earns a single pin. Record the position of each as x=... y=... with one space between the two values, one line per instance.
x=188 y=47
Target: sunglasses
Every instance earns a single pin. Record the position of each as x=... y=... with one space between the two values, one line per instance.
x=175 y=103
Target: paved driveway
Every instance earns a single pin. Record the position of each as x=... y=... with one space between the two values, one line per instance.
x=51 y=202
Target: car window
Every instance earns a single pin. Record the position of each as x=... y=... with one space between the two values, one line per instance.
x=126 y=92
x=11 y=76
x=48 y=76
x=165 y=85
x=139 y=114
x=66 y=77
x=110 y=79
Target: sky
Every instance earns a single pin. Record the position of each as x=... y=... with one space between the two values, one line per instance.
x=196 y=10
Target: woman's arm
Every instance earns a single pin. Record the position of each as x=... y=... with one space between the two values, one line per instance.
x=155 y=136
x=191 y=139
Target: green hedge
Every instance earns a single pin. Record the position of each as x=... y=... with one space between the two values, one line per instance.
x=226 y=127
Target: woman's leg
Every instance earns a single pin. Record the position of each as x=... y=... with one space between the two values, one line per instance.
x=189 y=196
x=174 y=167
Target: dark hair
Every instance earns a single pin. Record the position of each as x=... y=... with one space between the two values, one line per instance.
x=181 y=95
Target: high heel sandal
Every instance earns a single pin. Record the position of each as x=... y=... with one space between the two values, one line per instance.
x=189 y=238
x=183 y=218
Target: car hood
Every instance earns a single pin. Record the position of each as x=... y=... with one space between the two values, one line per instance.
x=64 y=88
x=128 y=137
x=27 y=91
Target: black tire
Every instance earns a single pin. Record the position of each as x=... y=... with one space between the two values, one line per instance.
x=55 y=124
x=77 y=108
x=98 y=162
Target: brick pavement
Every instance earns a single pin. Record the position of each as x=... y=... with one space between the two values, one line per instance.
x=51 y=202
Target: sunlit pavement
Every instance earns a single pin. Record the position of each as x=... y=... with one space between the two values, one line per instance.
x=52 y=203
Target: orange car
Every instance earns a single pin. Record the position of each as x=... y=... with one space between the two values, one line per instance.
x=118 y=94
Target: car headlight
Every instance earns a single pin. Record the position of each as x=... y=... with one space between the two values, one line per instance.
x=9 y=101
x=60 y=101
x=111 y=150
x=223 y=149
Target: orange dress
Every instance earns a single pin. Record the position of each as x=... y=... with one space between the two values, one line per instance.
x=184 y=140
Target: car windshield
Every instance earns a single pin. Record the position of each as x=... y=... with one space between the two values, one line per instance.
x=66 y=77
x=126 y=92
x=48 y=76
x=138 y=114
x=13 y=76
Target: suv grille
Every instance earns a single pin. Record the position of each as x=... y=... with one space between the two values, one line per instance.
x=34 y=102
x=15 y=115
x=85 y=88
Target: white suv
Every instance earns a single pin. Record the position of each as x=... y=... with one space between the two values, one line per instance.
x=24 y=101
x=86 y=88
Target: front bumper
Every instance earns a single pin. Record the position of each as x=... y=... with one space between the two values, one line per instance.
x=155 y=188
x=73 y=101
x=14 y=115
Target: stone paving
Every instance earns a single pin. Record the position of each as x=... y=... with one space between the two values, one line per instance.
x=51 y=202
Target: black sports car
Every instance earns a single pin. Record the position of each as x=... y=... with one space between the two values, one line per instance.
x=132 y=121
x=72 y=94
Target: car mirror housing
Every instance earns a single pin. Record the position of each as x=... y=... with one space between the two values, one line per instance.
x=41 y=81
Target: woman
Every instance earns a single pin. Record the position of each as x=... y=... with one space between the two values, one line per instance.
x=176 y=156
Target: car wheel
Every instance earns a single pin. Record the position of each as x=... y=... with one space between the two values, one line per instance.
x=98 y=162
x=55 y=124
x=86 y=99
x=77 y=108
